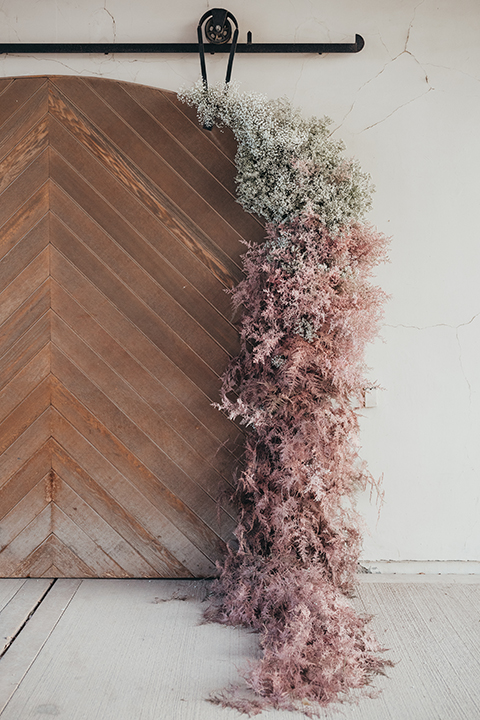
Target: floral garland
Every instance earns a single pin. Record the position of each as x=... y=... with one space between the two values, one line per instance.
x=308 y=309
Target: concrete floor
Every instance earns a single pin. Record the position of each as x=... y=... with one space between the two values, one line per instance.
x=135 y=650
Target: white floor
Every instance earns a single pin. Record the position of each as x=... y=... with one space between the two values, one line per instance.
x=136 y=650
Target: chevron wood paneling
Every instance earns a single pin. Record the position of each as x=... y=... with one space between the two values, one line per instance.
x=119 y=235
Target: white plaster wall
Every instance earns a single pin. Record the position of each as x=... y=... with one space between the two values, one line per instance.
x=408 y=106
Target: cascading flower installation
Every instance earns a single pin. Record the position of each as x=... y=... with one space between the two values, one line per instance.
x=308 y=309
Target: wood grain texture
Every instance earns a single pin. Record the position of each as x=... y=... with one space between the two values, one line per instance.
x=119 y=235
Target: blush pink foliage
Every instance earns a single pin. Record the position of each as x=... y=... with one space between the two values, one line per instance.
x=308 y=309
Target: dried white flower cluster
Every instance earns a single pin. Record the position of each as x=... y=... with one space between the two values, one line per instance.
x=287 y=164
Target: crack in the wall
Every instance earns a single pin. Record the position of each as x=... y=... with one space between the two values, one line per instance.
x=411 y=24
x=405 y=51
x=175 y=71
x=6 y=22
x=114 y=22
x=299 y=77
x=429 y=327
x=460 y=351
x=383 y=43
x=455 y=70
x=460 y=360
x=396 y=110
x=457 y=329
x=75 y=71
x=418 y=327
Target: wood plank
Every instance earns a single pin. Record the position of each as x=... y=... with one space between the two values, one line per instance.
x=207 y=184
x=14 y=548
x=5 y=83
x=143 y=317
x=159 y=397
x=126 y=509
x=223 y=138
x=99 y=530
x=20 y=657
x=118 y=237
x=423 y=680
x=187 y=131
x=147 y=482
x=26 y=217
x=23 y=154
x=26 y=347
x=9 y=587
x=24 y=253
x=134 y=442
x=143 y=417
x=137 y=652
x=15 y=614
x=24 y=382
x=168 y=295
x=24 y=187
x=143 y=268
x=161 y=637
x=34 y=471
x=467 y=599
x=40 y=563
x=147 y=206
x=51 y=572
x=17 y=94
x=81 y=544
x=15 y=291
x=135 y=164
x=25 y=414
x=448 y=619
x=26 y=445
x=22 y=123
x=60 y=556
x=14 y=556
x=26 y=315
x=210 y=274
x=142 y=349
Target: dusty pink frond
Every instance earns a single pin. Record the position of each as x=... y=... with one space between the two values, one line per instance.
x=309 y=309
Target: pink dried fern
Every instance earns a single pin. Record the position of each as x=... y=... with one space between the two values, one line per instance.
x=308 y=309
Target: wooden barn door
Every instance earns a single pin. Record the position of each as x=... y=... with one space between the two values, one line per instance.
x=119 y=235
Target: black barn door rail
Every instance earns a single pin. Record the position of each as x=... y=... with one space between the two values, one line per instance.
x=162 y=48
x=217 y=24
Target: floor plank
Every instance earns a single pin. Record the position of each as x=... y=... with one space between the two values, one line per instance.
x=22 y=653
x=26 y=596
x=128 y=664
x=126 y=649
x=8 y=588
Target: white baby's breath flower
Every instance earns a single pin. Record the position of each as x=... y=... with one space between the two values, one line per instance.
x=286 y=164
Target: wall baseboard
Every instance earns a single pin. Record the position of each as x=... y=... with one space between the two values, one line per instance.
x=420 y=567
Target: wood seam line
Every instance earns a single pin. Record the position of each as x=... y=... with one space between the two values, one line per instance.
x=31 y=614
x=186 y=223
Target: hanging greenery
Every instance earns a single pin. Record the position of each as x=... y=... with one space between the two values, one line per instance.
x=308 y=309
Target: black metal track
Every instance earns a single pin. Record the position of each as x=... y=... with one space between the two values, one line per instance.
x=161 y=48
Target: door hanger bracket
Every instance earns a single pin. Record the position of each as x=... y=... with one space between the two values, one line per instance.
x=217 y=24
